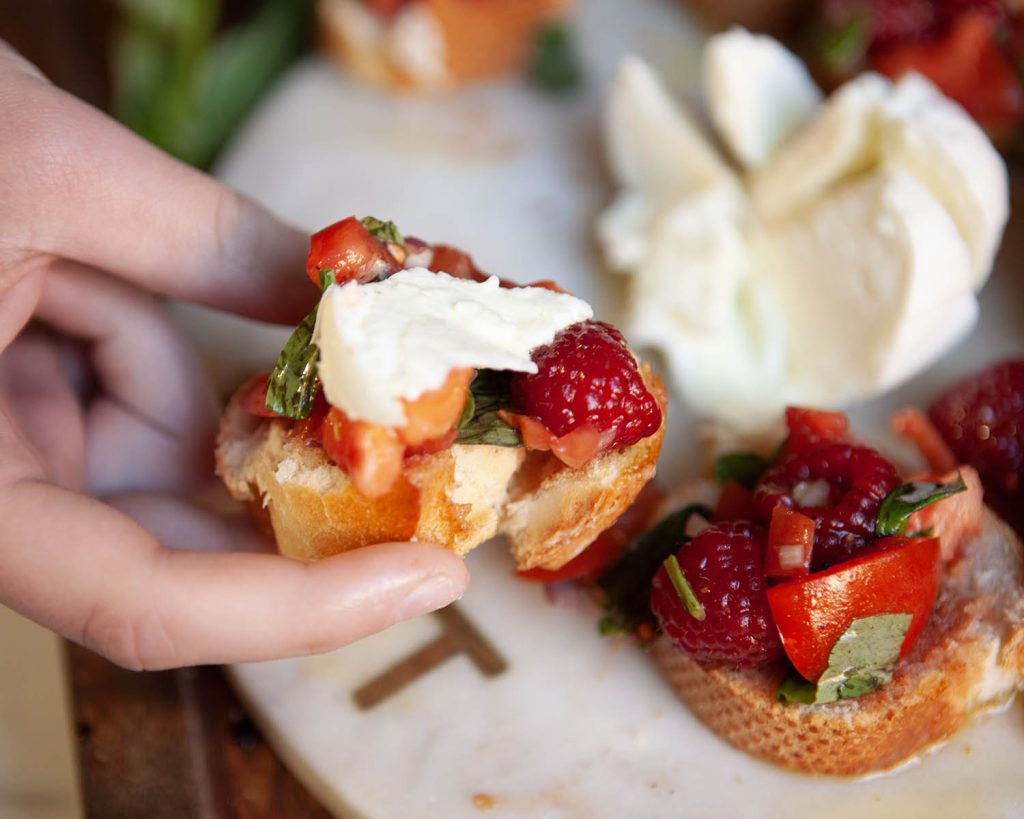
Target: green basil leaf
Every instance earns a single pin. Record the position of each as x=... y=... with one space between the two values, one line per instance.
x=610 y=626
x=861 y=661
x=385 y=231
x=627 y=582
x=235 y=71
x=184 y=85
x=746 y=468
x=555 y=66
x=326 y=277
x=795 y=689
x=479 y=422
x=903 y=501
x=293 y=382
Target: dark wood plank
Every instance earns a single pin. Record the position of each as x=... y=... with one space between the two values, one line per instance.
x=174 y=744
x=68 y=40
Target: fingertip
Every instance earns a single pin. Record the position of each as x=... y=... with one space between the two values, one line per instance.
x=430 y=594
x=444 y=582
x=449 y=562
x=265 y=252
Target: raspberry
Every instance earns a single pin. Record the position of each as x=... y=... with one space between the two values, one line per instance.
x=993 y=10
x=840 y=486
x=982 y=420
x=889 y=21
x=723 y=565
x=894 y=22
x=587 y=374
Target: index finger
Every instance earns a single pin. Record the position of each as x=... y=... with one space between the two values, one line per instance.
x=80 y=186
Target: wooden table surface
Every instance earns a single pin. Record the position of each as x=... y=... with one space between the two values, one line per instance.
x=156 y=744
x=173 y=744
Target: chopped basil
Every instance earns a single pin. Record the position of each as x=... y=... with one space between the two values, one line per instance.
x=609 y=626
x=904 y=500
x=385 y=231
x=861 y=661
x=555 y=66
x=627 y=582
x=479 y=422
x=293 y=382
x=746 y=468
x=683 y=588
x=796 y=689
x=326 y=277
x=844 y=48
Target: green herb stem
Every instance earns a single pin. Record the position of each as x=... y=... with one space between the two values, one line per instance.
x=683 y=588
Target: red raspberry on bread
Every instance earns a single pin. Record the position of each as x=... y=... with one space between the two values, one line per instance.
x=850 y=669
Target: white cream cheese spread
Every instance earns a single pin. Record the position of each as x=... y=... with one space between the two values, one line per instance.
x=839 y=256
x=393 y=340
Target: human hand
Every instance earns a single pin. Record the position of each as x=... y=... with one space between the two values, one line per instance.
x=106 y=421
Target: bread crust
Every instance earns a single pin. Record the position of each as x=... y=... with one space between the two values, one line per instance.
x=969 y=659
x=457 y=498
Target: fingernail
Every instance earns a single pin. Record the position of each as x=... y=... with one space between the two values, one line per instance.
x=429 y=595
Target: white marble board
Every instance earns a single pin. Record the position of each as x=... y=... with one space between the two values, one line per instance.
x=576 y=725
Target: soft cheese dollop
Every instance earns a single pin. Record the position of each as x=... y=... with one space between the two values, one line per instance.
x=837 y=258
x=389 y=341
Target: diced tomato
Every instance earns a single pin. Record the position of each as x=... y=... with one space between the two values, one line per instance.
x=955 y=518
x=455 y=263
x=576 y=448
x=429 y=447
x=900 y=576
x=460 y=265
x=351 y=251
x=812 y=428
x=535 y=435
x=790 y=538
x=607 y=547
x=966 y=64
x=369 y=454
x=735 y=502
x=604 y=551
x=435 y=412
x=579 y=447
x=253 y=397
x=311 y=427
x=912 y=424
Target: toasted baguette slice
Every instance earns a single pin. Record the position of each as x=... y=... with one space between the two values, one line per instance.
x=969 y=659
x=457 y=498
x=433 y=44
